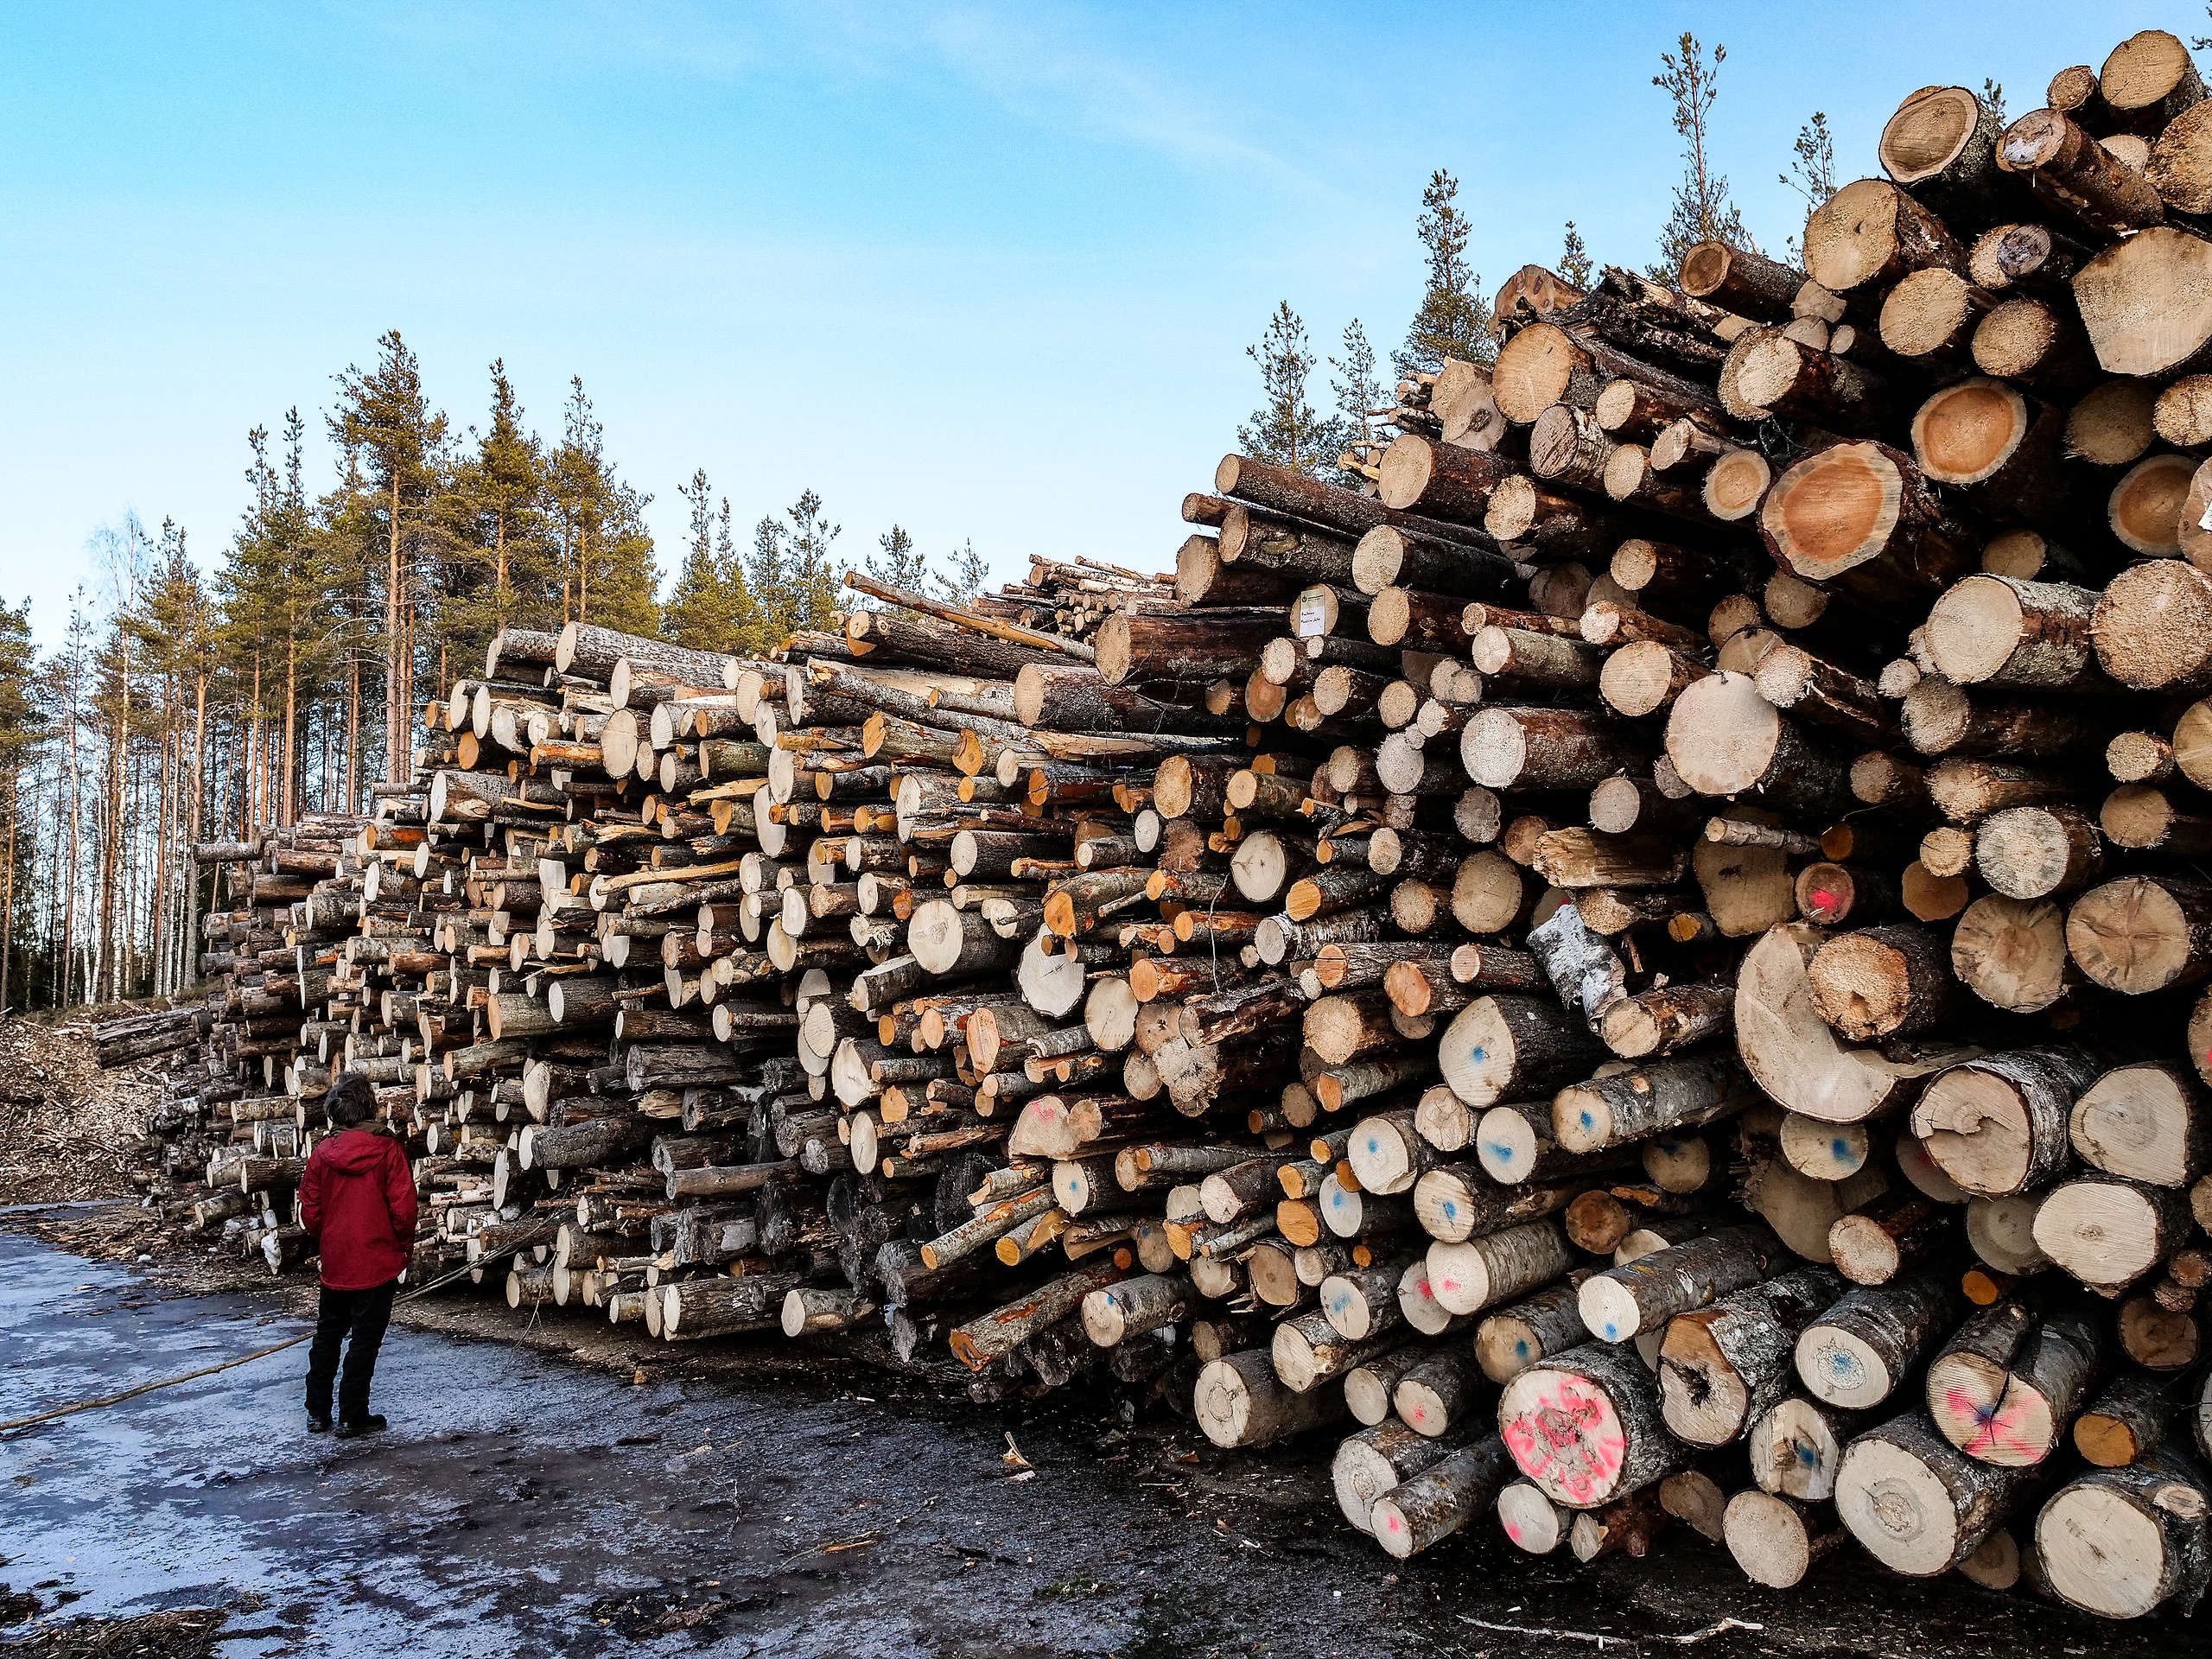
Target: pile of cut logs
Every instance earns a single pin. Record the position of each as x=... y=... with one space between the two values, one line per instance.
x=1653 y=958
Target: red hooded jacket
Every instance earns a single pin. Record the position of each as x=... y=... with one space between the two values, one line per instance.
x=358 y=1197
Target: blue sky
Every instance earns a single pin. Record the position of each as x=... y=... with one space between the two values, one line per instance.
x=986 y=270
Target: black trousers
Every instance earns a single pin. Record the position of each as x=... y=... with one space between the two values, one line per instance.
x=356 y=1318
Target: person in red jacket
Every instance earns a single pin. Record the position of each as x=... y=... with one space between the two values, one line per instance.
x=357 y=1198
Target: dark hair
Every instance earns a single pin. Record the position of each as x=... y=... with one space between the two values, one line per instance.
x=351 y=1099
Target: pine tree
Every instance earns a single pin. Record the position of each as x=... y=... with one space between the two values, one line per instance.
x=176 y=630
x=250 y=585
x=1358 y=394
x=500 y=492
x=1574 y=262
x=1992 y=95
x=1812 y=167
x=970 y=574
x=627 y=576
x=898 y=563
x=394 y=443
x=608 y=575
x=301 y=599
x=1285 y=428
x=813 y=576
x=1812 y=170
x=24 y=726
x=1702 y=209
x=577 y=481
x=1454 y=318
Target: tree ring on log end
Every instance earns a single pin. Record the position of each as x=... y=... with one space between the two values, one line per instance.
x=1834 y=510
x=2130 y=936
x=2100 y=1552
x=1964 y=433
x=1722 y=734
x=1927 y=133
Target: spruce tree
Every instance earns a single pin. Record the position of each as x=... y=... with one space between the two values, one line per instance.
x=768 y=572
x=742 y=618
x=1285 y=429
x=711 y=607
x=1702 y=210
x=697 y=609
x=1454 y=318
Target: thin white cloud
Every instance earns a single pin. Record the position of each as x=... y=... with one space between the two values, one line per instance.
x=1093 y=73
x=1063 y=73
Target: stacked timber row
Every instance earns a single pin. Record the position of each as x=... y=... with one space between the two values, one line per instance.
x=1651 y=965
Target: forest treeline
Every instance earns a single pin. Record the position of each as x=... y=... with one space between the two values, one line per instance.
x=187 y=704
x=204 y=698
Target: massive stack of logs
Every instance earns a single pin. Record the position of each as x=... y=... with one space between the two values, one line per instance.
x=1649 y=967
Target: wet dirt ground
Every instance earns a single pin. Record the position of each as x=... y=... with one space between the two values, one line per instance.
x=532 y=1498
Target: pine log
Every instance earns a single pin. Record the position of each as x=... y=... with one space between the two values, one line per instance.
x=2069 y=167
x=1871 y=233
x=2128 y=1420
x=1725 y=739
x=1769 y=374
x=1546 y=748
x=997 y=1333
x=1389 y=557
x=1748 y=284
x=2032 y=852
x=2163 y=273
x=1942 y=144
x=1441 y=479
x=1863 y=516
